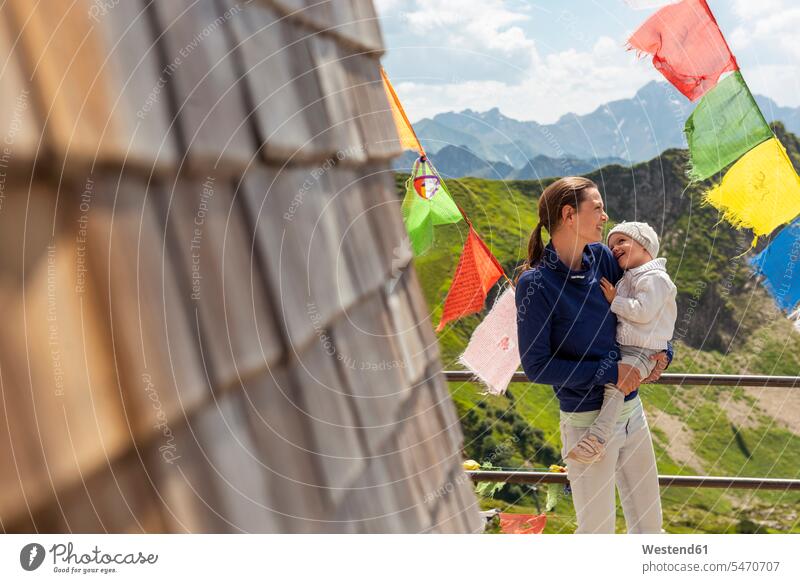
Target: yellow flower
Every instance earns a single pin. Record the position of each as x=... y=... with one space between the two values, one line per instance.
x=471 y=465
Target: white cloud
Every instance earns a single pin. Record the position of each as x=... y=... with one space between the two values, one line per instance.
x=487 y=25
x=772 y=29
x=779 y=82
x=764 y=38
x=491 y=58
x=746 y=9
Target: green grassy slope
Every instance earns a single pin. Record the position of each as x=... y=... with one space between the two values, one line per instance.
x=726 y=324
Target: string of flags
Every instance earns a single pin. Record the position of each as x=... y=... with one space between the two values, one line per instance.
x=761 y=189
x=428 y=204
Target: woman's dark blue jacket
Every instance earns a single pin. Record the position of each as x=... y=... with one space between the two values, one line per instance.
x=566 y=329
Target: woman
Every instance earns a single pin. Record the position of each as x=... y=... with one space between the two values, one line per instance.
x=567 y=339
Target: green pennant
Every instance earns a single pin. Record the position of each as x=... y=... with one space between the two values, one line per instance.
x=418 y=220
x=726 y=124
x=427 y=203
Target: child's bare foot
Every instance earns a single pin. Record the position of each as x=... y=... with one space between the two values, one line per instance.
x=588 y=450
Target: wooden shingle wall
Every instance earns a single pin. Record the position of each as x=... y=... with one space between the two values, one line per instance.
x=211 y=321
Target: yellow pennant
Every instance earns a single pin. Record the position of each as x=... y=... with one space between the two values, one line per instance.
x=408 y=139
x=761 y=191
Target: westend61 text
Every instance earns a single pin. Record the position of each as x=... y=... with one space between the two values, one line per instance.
x=675 y=550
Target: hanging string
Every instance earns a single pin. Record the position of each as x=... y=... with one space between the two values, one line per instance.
x=469 y=222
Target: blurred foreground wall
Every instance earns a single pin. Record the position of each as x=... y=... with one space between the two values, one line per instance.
x=210 y=322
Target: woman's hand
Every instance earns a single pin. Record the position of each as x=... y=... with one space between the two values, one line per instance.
x=628 y=378
x=608 y=290
x=661 y=364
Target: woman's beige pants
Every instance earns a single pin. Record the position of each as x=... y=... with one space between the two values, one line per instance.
x=630 y=462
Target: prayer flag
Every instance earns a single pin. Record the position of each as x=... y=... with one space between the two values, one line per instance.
x=687 y=46
x=492 y=354
x=761 y=191
x=408 y=139
x=426 y=204
x=779 y=264
x=522 y=523
x=475 y=275
x=726 y=124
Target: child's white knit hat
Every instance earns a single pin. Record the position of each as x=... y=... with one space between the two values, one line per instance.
x=642 y=233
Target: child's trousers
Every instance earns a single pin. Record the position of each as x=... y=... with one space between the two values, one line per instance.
x=613 y=398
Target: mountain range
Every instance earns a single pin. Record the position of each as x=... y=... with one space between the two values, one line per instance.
x=626 y=131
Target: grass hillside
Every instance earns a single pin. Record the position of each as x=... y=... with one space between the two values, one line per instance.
x=726 y=324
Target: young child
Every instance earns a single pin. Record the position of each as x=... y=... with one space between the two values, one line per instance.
x=644 y=302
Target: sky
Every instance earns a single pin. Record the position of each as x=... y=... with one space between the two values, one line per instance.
x=538 y=60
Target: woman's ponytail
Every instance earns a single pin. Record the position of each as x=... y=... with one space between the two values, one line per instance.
x=569 y=191
x=535 y=250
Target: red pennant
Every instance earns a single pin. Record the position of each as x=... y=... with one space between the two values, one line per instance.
x=475 y=275
x=522 y=523
x=687 y=46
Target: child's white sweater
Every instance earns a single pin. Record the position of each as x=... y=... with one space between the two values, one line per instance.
x=645 y=306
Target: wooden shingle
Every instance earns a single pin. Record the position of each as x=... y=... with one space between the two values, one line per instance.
x=372 y=366
x=437 y=434
x=324 y=400
x=224 y=438
x=350 y=22
x=119 y=498
x=422 y=314
x=299 y=238
x=211 y=481
x=406 y=334
x=382 y=211
x=282 y=85
x=64 y=415
x=189 y=499
x=398 y=499
x=446 y=410
x=299 y=391
x=212 y=117
x=375 y=118
x=133 y=282
x=368 y=33
x=407 y=490
x=99 y=81
x=371 y=507
x=457 y=508
x=283 y=449
x=364 y=261
x=315 y=15
x=222 y=281
x=342 y=108
x=419 y=469
x=18 y=125
x=460 y=508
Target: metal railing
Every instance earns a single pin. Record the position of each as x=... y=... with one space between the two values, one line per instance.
x=517 y=477
x=709 y=380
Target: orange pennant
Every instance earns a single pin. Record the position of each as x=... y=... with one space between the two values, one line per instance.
x=522 y=523
x=408 y=139
x=475 y=275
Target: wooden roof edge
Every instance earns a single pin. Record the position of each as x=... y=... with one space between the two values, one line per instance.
x=301 y=17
